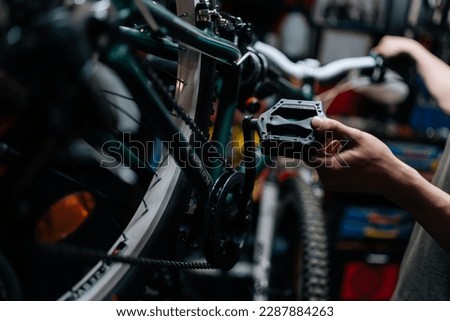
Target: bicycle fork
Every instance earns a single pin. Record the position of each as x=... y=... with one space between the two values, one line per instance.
x=265 y=231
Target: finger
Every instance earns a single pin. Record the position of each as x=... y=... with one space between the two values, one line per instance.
x=327 y=161
x=333 y=147
x=377 y=49
x=316 y=161
x=380 y=47
x=329 y=149
x=341 y=131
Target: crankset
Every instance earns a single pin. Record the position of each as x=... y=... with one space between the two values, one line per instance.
x=284 y=130
x=227 y=222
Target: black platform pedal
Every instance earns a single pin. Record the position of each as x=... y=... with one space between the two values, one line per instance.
x=285 y=129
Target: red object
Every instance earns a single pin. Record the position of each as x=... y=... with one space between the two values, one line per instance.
x=345 y=104
x=364 y=281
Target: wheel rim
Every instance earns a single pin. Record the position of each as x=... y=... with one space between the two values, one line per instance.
x=105 y=276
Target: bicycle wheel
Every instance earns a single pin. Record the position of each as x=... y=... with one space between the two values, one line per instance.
x=299 y=262
x=9 y=283
x=153 y=218
x=150 y=230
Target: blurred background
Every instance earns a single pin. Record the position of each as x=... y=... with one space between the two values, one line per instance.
x=368 y=234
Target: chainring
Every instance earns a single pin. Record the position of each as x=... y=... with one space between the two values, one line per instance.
x=226 y=223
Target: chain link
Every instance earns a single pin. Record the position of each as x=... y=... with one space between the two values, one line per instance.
x=77 y=252
x=183 y=115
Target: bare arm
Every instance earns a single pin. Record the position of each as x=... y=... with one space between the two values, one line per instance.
x=357 y=161
x=434 y=71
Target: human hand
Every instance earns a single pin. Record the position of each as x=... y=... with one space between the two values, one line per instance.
x=352 y=160
x=392 y=46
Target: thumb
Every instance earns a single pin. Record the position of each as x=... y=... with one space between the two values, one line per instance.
x=323 y=125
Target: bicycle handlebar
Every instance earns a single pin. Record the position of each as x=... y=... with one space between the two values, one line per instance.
x=227 y=51
x=301 y=69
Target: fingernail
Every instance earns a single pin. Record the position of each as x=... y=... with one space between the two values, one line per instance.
x=316 y=121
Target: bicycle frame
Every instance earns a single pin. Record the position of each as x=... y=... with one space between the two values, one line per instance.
x=170 y=36
x=204 y=42
x=231 y=59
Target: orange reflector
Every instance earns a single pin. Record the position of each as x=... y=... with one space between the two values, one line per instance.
x=64 y=217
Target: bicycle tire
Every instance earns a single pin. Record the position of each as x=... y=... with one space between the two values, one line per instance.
x=112 y=281
x=300 y=270
x=9 y=282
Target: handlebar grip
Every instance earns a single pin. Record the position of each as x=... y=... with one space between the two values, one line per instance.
x=304 y=70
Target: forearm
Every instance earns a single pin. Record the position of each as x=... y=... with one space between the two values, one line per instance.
x=434 y=72
x=368 y=165
x=429 y=205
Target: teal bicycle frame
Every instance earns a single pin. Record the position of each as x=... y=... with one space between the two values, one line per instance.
x=221 y=50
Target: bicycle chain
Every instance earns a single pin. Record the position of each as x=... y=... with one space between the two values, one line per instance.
x=168 y=98
x=72 y=251
x=183 y=115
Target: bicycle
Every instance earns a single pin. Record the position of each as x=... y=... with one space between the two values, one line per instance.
x=147 y=130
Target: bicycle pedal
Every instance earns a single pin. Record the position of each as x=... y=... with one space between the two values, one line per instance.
x=285 y=129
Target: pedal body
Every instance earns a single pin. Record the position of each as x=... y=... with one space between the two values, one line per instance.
x=285 y=129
